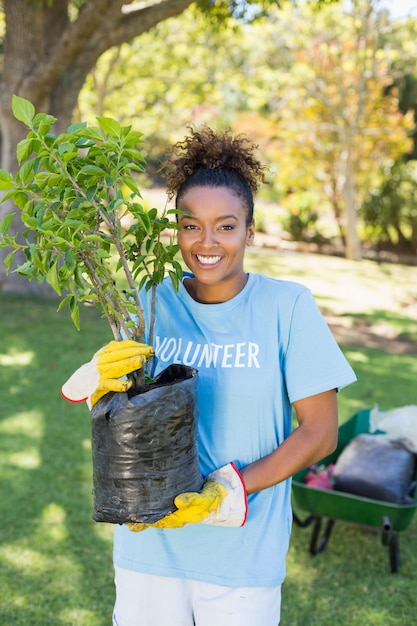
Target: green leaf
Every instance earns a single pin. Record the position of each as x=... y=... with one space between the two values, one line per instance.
x=6 y=223
x=66 y=146
x=9 y=259
x=174 y=279
x=110 y=126
x=44 y=122
x=101 y=254
x=177 y=267
x=26 y=269
x=91 y=132
x=23 y=150
x=75 y=313
x=93 y=238
x=70 y=262
x=93 y=170
x=130 y=182
x=79 y=278
x=20 y=199
x=23 y=110
x=64 y=301
x=143 y=282
x=26 y=171
x=143 y=217
x=69 y=156
x=134 y=136
x=52 y=277
x=6 y=180
x=37 y=260
x=77 y=126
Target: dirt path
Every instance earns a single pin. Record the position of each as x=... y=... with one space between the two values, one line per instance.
x=354 y=331
x=362 y=334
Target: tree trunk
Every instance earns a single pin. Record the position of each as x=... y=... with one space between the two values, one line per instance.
x=47 y=58
x=353 y=246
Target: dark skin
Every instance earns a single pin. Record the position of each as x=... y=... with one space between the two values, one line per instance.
x=213 y=235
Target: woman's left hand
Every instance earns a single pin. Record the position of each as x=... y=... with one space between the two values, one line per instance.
x=221 y=502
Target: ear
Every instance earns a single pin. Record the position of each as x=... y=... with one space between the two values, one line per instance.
x=250 y=233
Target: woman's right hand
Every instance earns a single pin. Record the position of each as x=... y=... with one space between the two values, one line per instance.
x=102 y=374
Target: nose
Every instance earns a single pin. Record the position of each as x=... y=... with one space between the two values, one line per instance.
x=208 y=238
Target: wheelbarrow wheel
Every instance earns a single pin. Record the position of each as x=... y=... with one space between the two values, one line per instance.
x=394 y=552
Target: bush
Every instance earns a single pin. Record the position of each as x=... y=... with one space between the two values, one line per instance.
x=390 y=210
x=300 y=222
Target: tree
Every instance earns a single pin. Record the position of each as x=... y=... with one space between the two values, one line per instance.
x=403 y=38
x=139 y=80
x=335 y=113
x=49 y=48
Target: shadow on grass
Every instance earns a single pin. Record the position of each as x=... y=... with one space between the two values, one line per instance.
x=56 y=563
x=350 y=582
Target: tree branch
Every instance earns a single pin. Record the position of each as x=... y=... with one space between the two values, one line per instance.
x=100 y=25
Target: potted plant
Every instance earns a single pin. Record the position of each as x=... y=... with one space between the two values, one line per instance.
x=79 y=199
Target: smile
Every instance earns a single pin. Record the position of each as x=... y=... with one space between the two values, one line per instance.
x=208 y=260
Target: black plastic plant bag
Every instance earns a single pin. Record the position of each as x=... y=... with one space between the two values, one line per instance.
x=375 y=467
x=144 y=449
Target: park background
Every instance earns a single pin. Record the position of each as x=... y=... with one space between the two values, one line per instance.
x=330 y=95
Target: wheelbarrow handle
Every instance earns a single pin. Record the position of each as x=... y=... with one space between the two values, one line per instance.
x=303 y=523
x=317 y=544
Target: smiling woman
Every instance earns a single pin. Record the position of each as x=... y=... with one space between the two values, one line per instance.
x=213 y=181
x=212 y=237
x=261 y=348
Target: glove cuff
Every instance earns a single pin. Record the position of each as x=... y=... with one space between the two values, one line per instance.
x=234 y=508
x=71 y=399
x=244 y=494
x=82 y=384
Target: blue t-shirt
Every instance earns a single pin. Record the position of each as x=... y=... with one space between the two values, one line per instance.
x=256 y=354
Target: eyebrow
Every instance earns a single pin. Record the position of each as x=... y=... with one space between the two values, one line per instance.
x=190 y=216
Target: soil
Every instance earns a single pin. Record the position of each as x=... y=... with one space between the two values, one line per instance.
x=362 y=334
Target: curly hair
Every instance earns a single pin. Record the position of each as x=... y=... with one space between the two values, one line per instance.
x=215 y=159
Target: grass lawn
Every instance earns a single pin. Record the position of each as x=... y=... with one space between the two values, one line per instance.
x=55 y=562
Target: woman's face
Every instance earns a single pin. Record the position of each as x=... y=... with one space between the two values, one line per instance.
x=212 y=237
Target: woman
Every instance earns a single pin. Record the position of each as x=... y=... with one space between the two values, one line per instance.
x=262 y=349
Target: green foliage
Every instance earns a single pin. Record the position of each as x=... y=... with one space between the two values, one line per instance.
x=145 y=71
x=300 y=221
x=79 y=200
x=390 y=210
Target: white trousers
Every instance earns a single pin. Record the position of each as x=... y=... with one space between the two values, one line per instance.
x=147 y=600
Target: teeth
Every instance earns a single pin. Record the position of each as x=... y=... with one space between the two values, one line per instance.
x=208 y=260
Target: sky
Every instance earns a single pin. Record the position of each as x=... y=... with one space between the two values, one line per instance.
x=402 y=8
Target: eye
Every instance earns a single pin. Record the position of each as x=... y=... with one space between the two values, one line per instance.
x=189 y=227
x=227 y=227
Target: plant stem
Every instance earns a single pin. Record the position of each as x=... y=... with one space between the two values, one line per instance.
x=131 y=283
x=105 y=301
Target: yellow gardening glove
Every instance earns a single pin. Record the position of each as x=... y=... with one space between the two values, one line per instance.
x=221 y=502
x=102 y=374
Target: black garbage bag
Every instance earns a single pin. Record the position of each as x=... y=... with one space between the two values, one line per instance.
x=144 y=448
x=376 y=467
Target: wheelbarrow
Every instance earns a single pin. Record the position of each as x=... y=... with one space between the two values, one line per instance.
x=387 y=517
